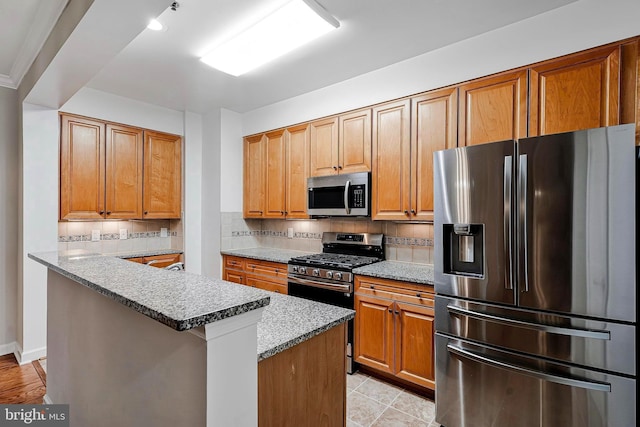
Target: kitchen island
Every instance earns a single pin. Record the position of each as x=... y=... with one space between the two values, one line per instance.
x=173 y=348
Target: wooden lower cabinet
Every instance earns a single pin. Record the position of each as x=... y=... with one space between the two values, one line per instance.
x=270 y=276
x=394 y=329
x=159 y=261
x=305 y=385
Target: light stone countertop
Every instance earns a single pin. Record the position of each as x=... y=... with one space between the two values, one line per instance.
x=143 y=253
x=266 y=254
x=177 y=299
x=396 y=270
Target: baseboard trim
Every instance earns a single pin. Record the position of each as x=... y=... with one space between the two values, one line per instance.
x=24 y=357
x=47 y=400
x=7 y=348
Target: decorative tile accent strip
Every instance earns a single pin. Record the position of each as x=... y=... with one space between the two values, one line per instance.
x=273 y=233
x=407 y=241
x=113 y=236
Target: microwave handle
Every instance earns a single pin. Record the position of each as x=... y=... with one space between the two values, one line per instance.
x=346 y=196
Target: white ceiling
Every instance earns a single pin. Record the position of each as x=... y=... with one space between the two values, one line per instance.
x=163 y=68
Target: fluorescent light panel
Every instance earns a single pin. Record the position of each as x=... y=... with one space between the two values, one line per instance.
x=289 y=27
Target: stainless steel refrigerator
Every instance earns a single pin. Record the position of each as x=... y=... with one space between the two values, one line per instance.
x=535 y=276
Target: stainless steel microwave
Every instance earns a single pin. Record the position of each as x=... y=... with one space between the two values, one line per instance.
x=339 y=195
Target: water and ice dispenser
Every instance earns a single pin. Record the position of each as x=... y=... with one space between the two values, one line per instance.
x=464 y=249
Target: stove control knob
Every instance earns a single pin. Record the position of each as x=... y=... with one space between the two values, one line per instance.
x=302 y=270
x=329 y=274
x=316 y=272
x=294 y=268
x=338 y=276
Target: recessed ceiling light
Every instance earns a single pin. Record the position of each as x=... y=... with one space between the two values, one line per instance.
x=155 y=25
x=294 y=24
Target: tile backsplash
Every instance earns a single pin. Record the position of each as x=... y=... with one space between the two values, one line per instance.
x=142 y=235
x=403 y=242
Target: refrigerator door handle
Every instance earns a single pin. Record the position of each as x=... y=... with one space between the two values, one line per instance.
x=523 y=268
x=589 y=385
x=508 y=233
x=572 y=332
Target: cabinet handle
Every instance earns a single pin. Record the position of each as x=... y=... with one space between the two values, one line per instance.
x=146 y=212
x=335 y=168
x=413 y=211
x=406 y=212
x=339 y=167
x=277 y=291
x=418 y=295
x=101 y=212
x=397 y=312
x=277 y=271
x=372 y=287
x=108 y=212
x=260 y=212
x=282 y=212
x=391 y=311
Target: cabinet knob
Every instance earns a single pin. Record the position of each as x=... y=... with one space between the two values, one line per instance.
x=413 y=211
x=397 y=312
x=339 y=167
x=146 y=212
x=335 y=168
x=391 y=311
x=372 y=287
x=418 y=295
x=406 y=212
x=108 y=212
x=101 y=212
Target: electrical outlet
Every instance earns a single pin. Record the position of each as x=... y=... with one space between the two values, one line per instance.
x=123 y=234
x=290 y=233
x=95 y=235
x=164 y=232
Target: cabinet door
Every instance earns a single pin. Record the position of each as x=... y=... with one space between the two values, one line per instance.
x=374 y=332
x=275 y=185
x=324 y=147
x=82 y=168
x=493 y=109
x=234 y=276
x=391 y=185
x=162 y=191
x=414 y=350
x=254 y=176
x=433 y=127
x=297 y=170
x=577 y=92
x=124 y=172
x=354 y=142
x=265 y=284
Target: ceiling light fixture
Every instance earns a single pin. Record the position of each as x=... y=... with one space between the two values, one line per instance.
x=155 y=25
x=294 y=24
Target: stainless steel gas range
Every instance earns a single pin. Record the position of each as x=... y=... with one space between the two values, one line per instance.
x=328 y=276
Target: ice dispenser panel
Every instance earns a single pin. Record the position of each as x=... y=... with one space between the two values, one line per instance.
x=464 y=249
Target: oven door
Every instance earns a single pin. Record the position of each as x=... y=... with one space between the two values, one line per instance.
x=328 y=293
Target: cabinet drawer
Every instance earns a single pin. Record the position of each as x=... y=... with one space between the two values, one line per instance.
x=397 y=291
x=235 y=263
x=234 y=276
x=162 y=261
x=266 y=268
x=267 y=285
x=139 y=260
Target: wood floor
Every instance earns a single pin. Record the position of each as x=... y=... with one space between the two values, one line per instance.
x=21 y=384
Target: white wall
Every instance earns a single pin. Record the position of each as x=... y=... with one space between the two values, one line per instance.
x=192 y=219
x=101 y=105
x=8 y=218
x=577 y=26
x=211 y=183
x=231 y=152
x=39 y=231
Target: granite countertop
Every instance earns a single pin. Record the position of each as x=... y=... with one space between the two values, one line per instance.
x=266 y=254
x=288 y=321
x=179 y=300
x=143 y=253
x=396 y=270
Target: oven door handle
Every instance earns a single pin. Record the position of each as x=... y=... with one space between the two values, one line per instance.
x=322 y=285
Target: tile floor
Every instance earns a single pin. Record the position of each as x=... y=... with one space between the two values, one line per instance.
x=374 y=403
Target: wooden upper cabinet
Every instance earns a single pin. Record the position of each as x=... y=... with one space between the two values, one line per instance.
x=341 y=144
x=254 y=176
x=391 y=186
x=354 y=142
x=162 y=175
x=82 y=168
x=324 y=147
x=124 y=148
x=576 y=92
x=297 y=141
x=434 y=127
x=275 y=189
x=493 y=109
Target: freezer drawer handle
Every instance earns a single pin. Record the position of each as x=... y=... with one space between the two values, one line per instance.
x=589 y=385
x=600 y=335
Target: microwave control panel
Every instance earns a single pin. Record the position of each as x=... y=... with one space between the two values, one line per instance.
x=357 y=196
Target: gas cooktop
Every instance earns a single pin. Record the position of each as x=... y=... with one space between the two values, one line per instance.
x=332 y=260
